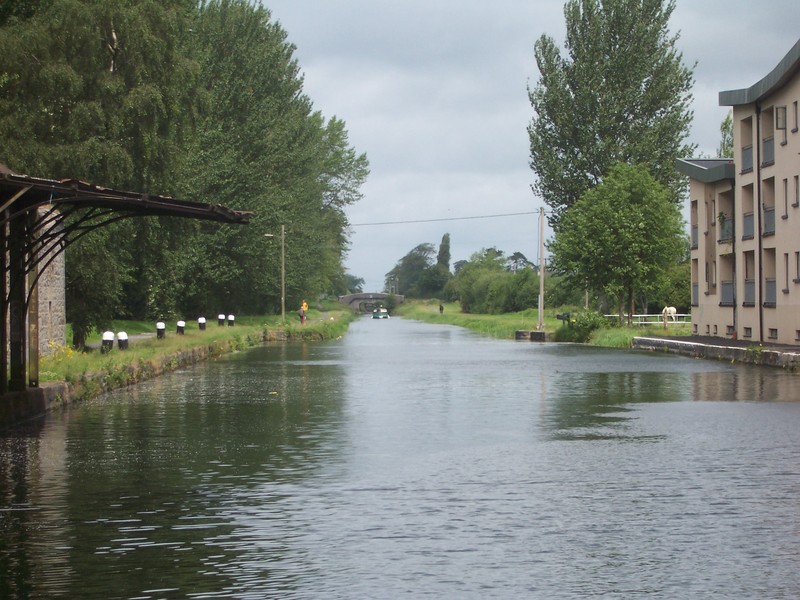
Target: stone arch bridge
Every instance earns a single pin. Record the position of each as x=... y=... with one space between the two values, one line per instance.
x=366 y=301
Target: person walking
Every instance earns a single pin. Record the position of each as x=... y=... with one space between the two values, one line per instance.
x=303 y=312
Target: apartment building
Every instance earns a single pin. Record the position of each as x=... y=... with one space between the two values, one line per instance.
x=745 y=216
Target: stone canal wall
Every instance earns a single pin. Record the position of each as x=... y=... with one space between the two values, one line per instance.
x=741 y=352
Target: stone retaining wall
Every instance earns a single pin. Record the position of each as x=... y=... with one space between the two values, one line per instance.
x=754 y=355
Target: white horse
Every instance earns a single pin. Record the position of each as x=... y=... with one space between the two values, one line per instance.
x=669 y=312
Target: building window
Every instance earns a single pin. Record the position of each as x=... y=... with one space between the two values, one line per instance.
x=715 y=330
x=797 y=335
x=786 y=273
x=780 y=122
x=729 y=330
x=796 y=202
x=785 y=198
x=794 y=111
x=796 y=267
x=748 y=332
x=694 y=328
x=773 y=334
x=708 y=329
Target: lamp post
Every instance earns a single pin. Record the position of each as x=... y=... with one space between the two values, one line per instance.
x=283 y=270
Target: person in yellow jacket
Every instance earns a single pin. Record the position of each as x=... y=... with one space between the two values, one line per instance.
x=303 y=312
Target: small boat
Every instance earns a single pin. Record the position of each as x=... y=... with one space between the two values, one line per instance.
x=380 y=313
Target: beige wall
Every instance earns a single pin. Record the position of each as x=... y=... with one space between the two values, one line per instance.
x=766 y=266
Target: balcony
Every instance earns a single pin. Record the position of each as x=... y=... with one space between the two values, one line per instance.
x=768 y=147
x=725 y=229
x=770 y=293
x=749 y=292
x=747 y=159
x=748 y=226
x=769 y=220
x=727 y=298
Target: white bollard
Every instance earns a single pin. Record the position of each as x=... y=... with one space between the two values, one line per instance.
x=108 y=342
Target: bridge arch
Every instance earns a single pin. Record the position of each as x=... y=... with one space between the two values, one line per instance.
x=365 y=301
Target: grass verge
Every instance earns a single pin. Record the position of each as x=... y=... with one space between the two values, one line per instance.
x=93 y=372
x=499 y=326
x=505 y=325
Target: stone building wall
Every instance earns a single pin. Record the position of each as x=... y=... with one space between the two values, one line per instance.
x=52 y=307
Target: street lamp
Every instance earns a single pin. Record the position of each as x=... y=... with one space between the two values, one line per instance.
x=283 y=270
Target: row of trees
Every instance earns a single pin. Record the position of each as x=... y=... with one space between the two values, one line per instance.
x=202 y=101
x=489 y=282
x=610 y=118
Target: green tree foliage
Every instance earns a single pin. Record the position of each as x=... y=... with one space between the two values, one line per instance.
x=417 y=275
x=725 y=149
x=621 y=94
x=96 y=91
x=354 y=284
x=487 y=284
x=443 y=258
x=407 y=275
x=199 y=101
x=88 y=269
x=260 y=146
x=620 y=237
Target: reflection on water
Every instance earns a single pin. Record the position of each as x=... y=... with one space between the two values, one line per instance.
x=411 y=460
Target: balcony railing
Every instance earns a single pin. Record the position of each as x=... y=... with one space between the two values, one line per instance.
x=748 y=226
x=747 y=159
x=768 y=146
x=769 y=220
x=770 y=292
x=725 y=229
x=727 y=294
x=694 y=237
x=749 y=292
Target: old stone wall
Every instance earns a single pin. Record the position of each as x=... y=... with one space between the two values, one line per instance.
x=52 y=307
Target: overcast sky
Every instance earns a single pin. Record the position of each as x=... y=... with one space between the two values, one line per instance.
x=435 y=93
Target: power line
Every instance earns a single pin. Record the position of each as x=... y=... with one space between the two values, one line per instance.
x=443 y=219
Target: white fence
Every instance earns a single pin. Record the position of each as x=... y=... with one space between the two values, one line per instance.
x=653 y=319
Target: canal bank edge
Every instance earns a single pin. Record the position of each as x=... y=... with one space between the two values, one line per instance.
x=753 y=354
x=17 y=407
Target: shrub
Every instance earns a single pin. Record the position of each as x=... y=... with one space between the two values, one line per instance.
x=580 y=327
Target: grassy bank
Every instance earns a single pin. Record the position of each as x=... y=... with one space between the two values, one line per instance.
x=505 y=325
x=499 y=326
x=93 y=372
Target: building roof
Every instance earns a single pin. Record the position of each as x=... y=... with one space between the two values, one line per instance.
x=18 y=191
x=707 y=170
x=777 y=78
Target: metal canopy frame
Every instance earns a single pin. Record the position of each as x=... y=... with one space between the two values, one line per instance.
x=39 y=219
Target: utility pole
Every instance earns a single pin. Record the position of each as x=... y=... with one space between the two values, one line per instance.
x=283 y=273
x=540 y=326
x=283 y=270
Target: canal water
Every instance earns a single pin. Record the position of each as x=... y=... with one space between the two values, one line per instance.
x=409 y=460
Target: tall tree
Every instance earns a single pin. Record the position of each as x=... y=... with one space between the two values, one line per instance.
x=621 y=94
x=199 y=100
x=97 y=91
x=261 y=146
x=443 y=258
x=407 y=274
x=620 y=237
